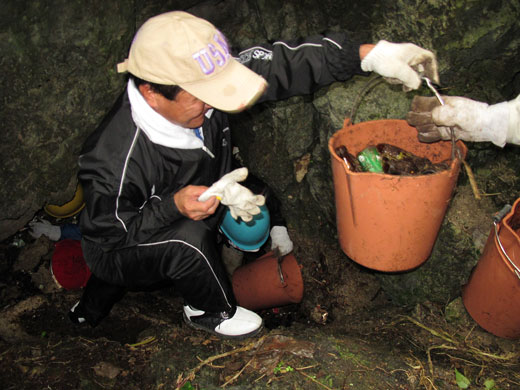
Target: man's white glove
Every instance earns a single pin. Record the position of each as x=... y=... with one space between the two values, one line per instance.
x=280 y=240
x=471 y=120
x=37 y=228
x=240 y=200
x=401 y=63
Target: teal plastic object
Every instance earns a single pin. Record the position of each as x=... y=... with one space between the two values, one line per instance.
x=247 y=236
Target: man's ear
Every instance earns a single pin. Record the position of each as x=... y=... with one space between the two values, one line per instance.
x=148 y=94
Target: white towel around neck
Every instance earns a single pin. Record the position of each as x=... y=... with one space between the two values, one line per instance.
x=158 y=129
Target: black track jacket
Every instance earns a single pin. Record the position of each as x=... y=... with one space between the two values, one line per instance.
x=129 y=182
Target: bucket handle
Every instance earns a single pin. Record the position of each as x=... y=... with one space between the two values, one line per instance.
x=372 y=82
x=280 y=271
x=279 y=260
x=497 y=218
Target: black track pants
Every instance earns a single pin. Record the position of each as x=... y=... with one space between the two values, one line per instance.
x=184 y=255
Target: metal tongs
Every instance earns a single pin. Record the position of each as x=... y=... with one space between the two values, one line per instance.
x=455 y=152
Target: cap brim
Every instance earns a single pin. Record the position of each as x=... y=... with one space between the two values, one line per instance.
x=233 y=89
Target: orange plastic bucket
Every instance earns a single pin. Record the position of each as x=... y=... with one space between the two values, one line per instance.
x=266 y=283
x=492 y=294
x=388 y=222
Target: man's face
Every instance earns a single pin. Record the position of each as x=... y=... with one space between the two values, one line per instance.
x=186 y=110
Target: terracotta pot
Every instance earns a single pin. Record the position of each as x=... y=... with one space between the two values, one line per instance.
x=389 y=222
x=492 y=294
x=259 y=284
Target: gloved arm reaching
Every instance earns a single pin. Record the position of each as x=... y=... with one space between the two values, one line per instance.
x=471 y=120
x=280 y=240
x=401 y=63
x=240 y=200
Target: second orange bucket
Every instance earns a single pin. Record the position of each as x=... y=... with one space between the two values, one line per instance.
x=492 y=294
x=387 y=222
x=268 y=282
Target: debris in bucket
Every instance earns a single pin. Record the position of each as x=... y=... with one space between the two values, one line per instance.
x=397 y=161
x=351 y=161
x=390 y=159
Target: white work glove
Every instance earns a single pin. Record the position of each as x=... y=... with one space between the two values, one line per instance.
x=240 y=200
x=37 y=228
x=401 y=63
x=471 y=120
x=280 y=240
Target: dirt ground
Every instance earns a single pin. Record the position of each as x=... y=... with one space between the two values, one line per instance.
x=354 y=339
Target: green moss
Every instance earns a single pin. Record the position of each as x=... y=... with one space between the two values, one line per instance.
x=352 y=354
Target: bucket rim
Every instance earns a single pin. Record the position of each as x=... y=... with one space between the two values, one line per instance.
x=504 y=224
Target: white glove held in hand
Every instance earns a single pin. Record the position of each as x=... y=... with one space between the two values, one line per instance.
x=472 y=121
x=280 y=240
x=37 y=228
x=240 y=200
x=401 y=63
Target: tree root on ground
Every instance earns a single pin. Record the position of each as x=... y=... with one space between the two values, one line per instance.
x=454 y=344
x=181 y=381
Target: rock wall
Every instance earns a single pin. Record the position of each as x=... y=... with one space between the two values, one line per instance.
x=59 y=80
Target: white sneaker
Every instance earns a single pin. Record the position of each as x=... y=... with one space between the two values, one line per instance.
x=244 y=323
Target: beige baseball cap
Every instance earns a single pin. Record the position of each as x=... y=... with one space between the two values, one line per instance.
x=177 y=48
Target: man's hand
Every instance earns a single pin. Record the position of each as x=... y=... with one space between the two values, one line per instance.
x=420 y=116
x=471 y=120
x=188 y=204
x=401 y=63
x=240 y=200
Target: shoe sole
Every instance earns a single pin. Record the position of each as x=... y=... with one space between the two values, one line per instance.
x=193 y=325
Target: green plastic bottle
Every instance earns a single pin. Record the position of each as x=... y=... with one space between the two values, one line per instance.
x=370 y=160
